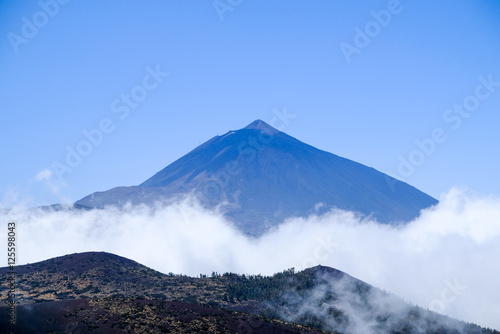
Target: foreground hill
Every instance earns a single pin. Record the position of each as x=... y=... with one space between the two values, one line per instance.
x=116 y=316
x=105 y=293
x=258 y=176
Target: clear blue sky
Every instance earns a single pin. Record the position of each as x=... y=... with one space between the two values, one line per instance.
x=64 y=70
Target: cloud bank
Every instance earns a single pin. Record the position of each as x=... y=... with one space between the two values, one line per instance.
x=446 y=260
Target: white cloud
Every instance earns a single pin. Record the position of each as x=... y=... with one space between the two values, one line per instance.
x=446 y=259
x=52 y=182
x=44 y=174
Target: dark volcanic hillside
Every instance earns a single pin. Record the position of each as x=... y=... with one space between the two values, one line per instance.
x=117 y=316
x=262 y=176
x=104 y=293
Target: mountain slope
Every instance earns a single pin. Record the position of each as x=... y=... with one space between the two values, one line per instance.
x=105 y=293
x=117 y=316
x=260 y=176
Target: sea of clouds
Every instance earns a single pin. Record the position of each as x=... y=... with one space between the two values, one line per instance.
x=445 y=260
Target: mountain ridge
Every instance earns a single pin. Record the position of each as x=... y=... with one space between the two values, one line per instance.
x=101 y=292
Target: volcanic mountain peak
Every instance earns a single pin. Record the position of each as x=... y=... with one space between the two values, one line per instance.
x=262 y=126
x=259 y=176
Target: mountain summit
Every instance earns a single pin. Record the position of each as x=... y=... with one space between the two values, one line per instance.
x=261 y=126
x=259 y=176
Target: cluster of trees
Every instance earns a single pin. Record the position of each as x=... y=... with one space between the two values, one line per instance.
x=287 y=291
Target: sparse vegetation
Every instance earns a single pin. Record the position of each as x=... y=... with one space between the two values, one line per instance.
x=100 y=292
